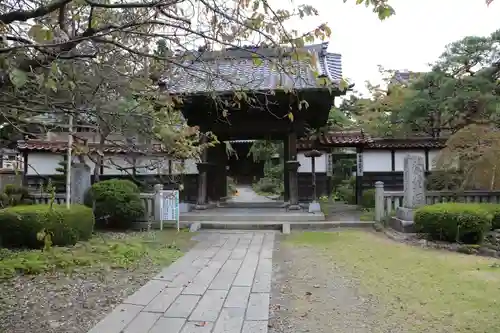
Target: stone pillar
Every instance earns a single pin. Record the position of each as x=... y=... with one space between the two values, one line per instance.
x=314 y=206
x=414 y=187
x=414 y=181
x=157 y=201
x=379 y=201
x=80 y=182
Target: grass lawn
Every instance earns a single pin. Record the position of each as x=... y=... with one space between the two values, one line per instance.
x=104 y=251
x=424 y=290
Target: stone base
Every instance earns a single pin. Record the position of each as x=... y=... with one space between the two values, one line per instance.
x=314 y=207
x=205 y=206
x=400 y=225
x=194 y=227
x=406 y=214
x=294 y=207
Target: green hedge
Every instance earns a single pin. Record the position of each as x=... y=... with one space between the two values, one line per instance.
x=19 y=225
x=117 y=203
x=494 y=211
x=466 y=223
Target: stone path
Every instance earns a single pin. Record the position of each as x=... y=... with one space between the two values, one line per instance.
x=222 y=285
x=247 y=194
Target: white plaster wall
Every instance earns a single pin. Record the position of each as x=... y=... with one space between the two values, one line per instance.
x=377 y=160
x=114 y=165
x=152 y=165
x=433 y=157
x=190 y=167
x=305 y=163
x=400 y=155
x=43 y=163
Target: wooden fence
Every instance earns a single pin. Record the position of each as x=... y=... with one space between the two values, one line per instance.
x=394 y=199
x=60 y=198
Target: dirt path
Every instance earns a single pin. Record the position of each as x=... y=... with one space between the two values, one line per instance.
x=310 y=294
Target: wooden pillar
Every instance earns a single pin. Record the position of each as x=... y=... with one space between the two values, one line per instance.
x=202 y=200
x=293 y=165
x=286 y=180
x=359 y=175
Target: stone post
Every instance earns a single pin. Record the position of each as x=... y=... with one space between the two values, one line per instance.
x=314 y=206
x=414 y=181
x=80 y=182
x=379 y=201
x=414 y=193
x=202 y=200
x=157 y=201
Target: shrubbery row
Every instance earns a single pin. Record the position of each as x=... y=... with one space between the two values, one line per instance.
x=457 y=222
x=115 y=203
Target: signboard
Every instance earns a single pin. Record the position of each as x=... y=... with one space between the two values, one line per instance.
x=169 y=207
x=359 y=164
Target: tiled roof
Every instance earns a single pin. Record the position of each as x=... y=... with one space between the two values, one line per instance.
x=408 y=143
x=358 y=138
x=238 y=69
x=335 y=139
x=61 y=146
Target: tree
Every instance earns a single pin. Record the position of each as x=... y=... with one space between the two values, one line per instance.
x=460 y=90
x=52 y=52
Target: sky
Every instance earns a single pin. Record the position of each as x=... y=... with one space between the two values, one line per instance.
x=411 y=39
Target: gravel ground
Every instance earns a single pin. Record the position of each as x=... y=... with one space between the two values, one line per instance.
x=57 y=303
x=311 y=294
x=61 y=303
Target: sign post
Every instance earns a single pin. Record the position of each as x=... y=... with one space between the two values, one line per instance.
x=169 y=206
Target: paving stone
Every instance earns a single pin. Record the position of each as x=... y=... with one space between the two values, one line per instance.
x=226 y=275
x=146 y=293
x=220 y=258
x=209 y=306
x=197 y=327
x=184 y=278
x=262 y=281
x=116 y=321
x=200 y=283
x=237 y=297
x=247 y=271
x=266 y=253
x=183 y=306
x=239 y=253
x=255 y=326
x=210 y=252
x=142 y=323
x=258 y=307
x=168 y=325
x=230 y=320
x=161 y=302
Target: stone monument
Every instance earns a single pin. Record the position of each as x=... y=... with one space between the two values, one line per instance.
x=414 y=193
x=80 y=182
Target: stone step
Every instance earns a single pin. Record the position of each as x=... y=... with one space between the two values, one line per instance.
x=236 y=204
x=250 y=215
x=262 y=225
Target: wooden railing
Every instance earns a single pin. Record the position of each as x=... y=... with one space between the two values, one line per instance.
x=394 y=199
x=60 y=198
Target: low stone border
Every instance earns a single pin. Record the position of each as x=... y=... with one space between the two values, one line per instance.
x=491 y=248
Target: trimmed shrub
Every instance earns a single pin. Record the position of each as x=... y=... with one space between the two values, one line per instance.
x=14 y=195
x=494 y=211
x=117 y=204
x=466 y=223
x=368 y=199
x=20 y=225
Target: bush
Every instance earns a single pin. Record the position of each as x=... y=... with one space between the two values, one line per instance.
x=269 y=186
x=368 y=198
x=117 y=203
x=346 y=193
x=494 y=211
x=466 y=223
x=20 y=225
x=14 y=195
